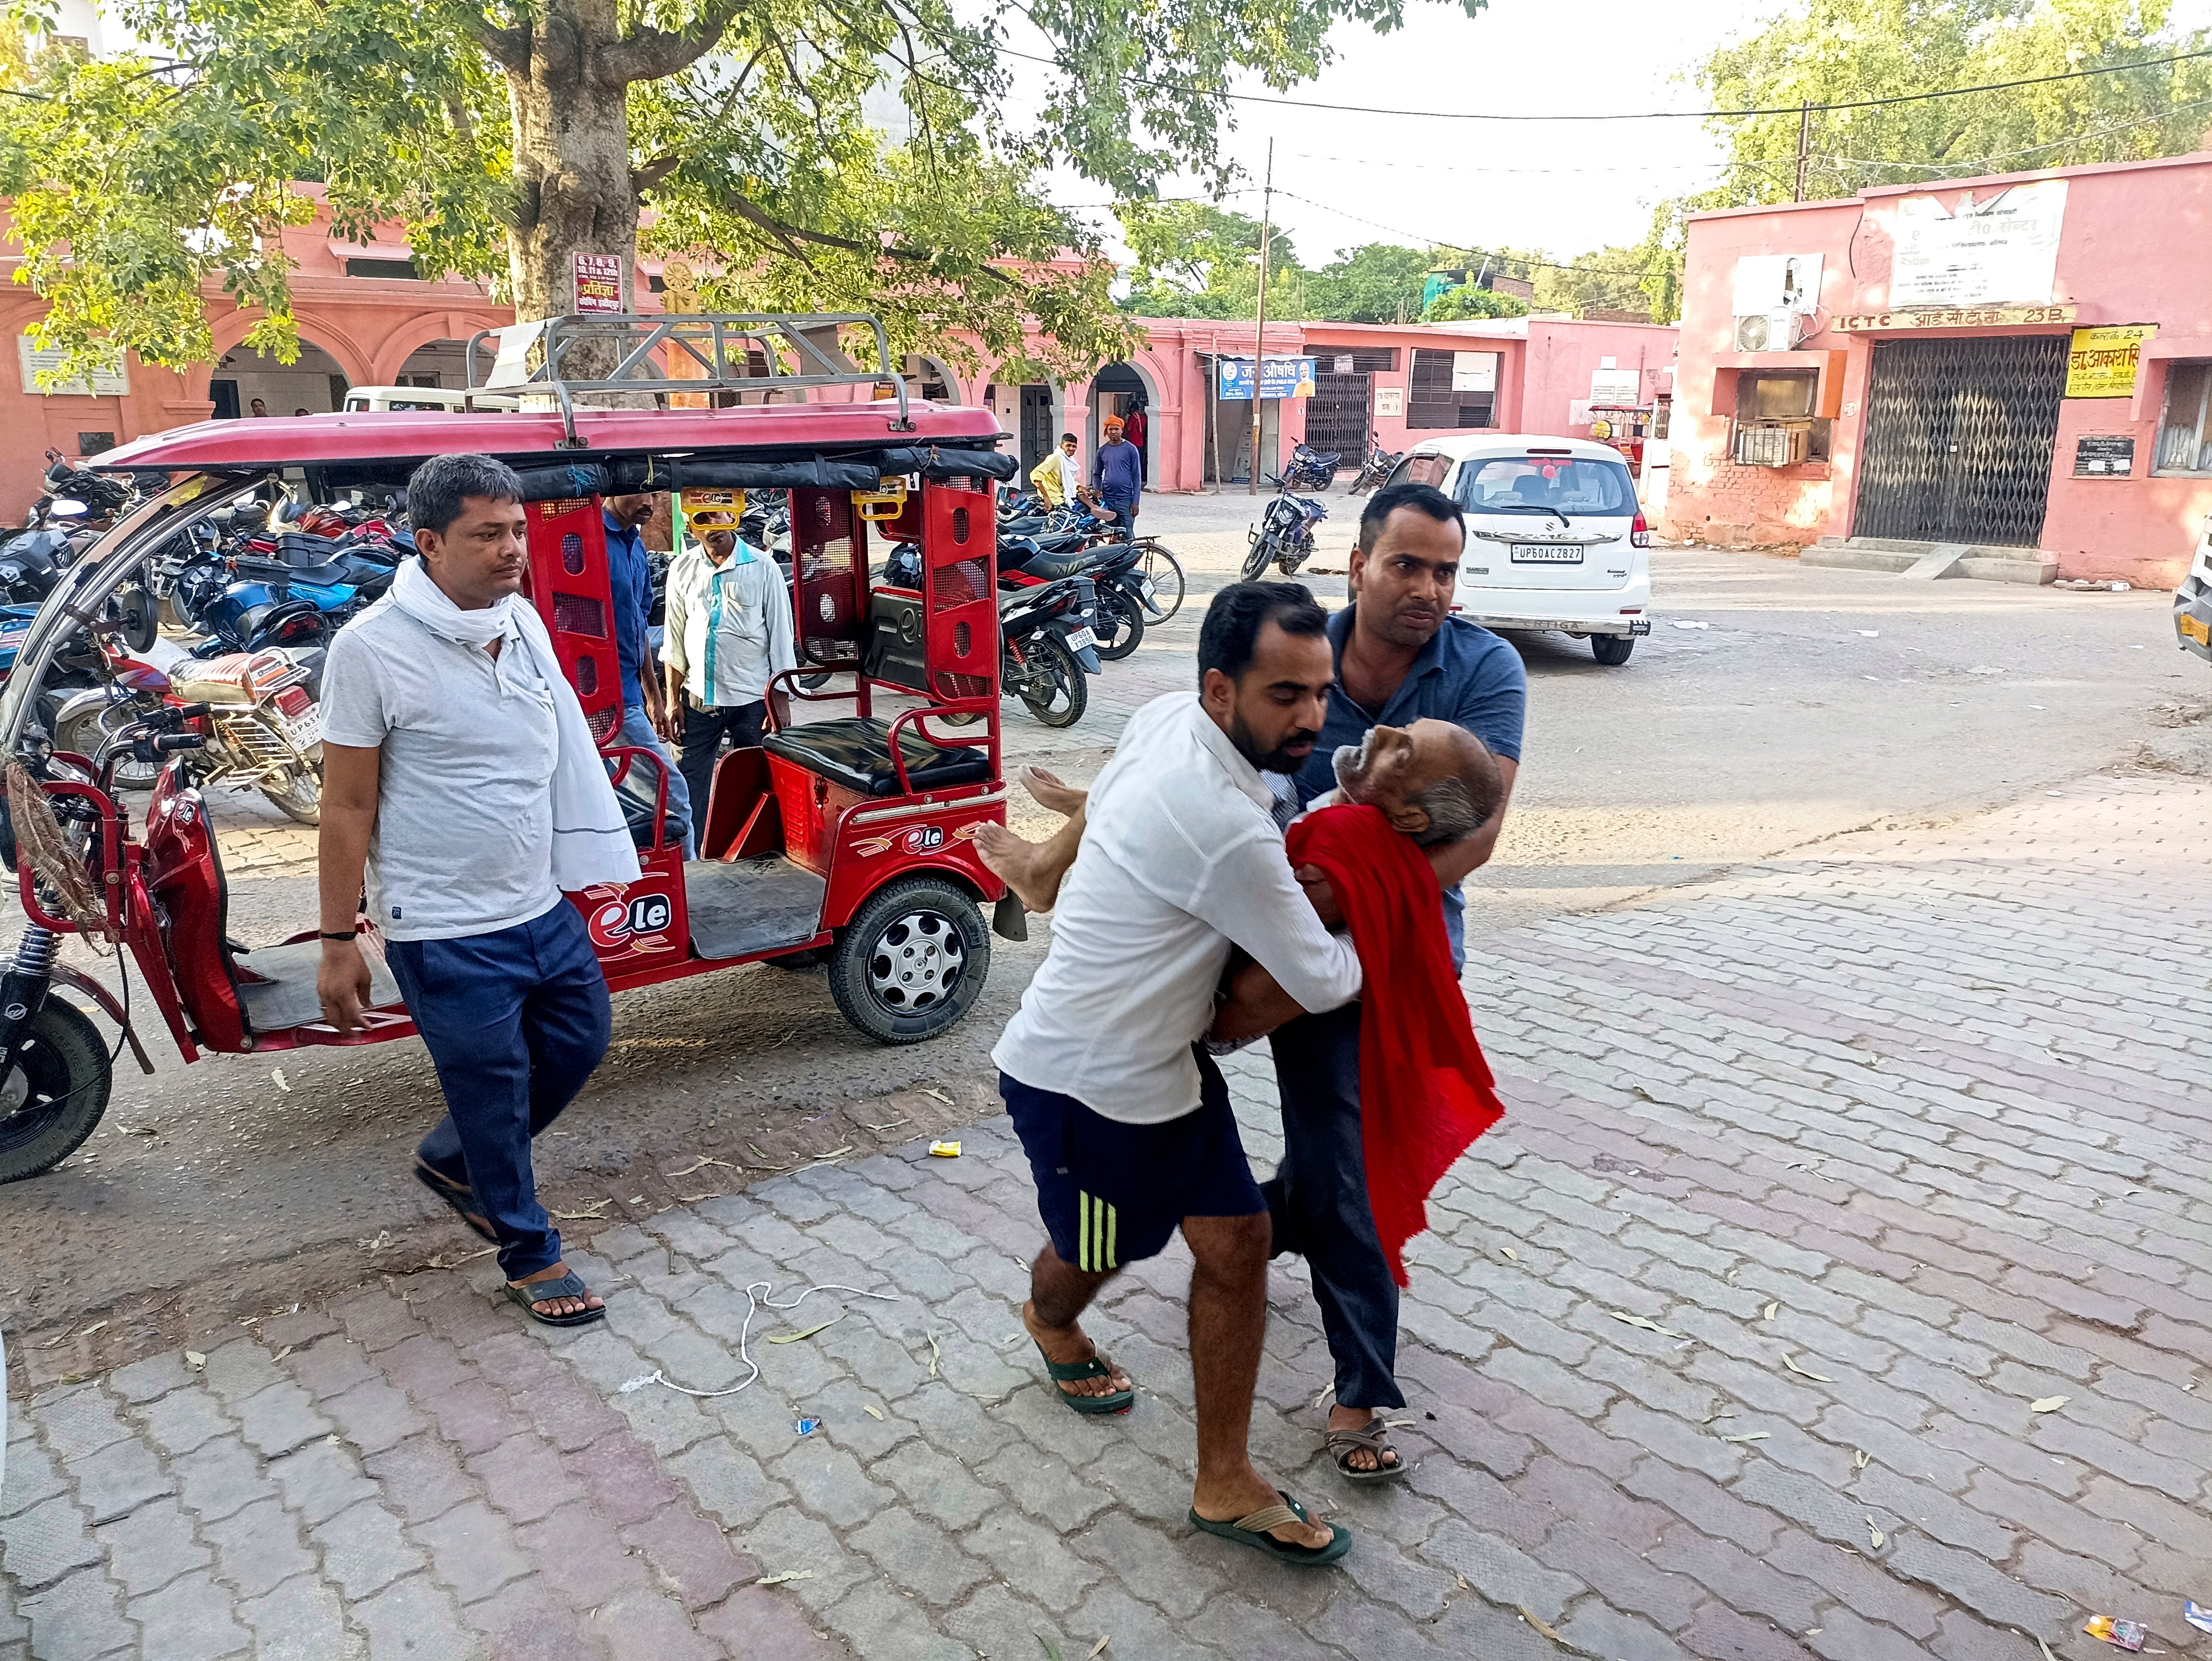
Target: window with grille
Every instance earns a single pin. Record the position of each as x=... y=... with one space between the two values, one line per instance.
x=1431 y=401
x=2185 y=431
x=1365 y=360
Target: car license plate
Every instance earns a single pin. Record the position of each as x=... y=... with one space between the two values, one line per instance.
x=2196 y=628
x=1080 y=638
x=1546 y=553
x=303 y=731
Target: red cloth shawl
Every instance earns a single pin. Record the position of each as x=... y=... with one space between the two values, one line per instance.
x=1424 y=1090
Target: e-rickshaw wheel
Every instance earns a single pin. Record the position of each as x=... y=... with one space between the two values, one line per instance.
x=55 y=1093
x=912 y=960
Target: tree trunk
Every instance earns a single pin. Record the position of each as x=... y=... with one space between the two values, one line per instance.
x=571 y=159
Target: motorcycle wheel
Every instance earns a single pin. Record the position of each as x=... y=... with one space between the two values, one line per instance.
x=298 y=794
x=86 y=734
x=56 y=1092
x=1263 y=549
x=1293 y=556
x=1122 y=624
x=1055 y=689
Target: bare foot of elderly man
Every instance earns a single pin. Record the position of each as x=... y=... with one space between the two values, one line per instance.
x=1050 y=792
x=1027 y=868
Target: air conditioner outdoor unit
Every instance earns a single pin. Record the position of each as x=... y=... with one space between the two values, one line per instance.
x=1772 y=447
x=1767 y=332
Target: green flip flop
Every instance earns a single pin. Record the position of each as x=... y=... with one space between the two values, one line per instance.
x=1252 y=1531
x=1074 y=1371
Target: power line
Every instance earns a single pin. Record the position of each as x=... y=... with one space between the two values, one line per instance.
x=1645 y=115
x=1513 y=258
x=2030 y=149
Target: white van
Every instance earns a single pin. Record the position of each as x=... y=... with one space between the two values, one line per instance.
x=447 y=400
x=1554 y=538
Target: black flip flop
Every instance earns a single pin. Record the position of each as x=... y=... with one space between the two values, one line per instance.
x=1252 y=1531
x=540 y=1292
x=459 y=1196
x=1074 y=1372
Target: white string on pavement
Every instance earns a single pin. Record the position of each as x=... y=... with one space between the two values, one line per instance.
x=753 y=1306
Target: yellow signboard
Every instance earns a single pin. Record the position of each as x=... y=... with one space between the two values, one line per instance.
x=2102 y=362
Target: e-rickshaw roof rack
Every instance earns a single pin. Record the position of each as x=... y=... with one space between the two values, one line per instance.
x=535 y=357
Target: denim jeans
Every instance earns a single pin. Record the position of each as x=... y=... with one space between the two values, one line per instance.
x=515 y=1021
x=637 y=731
x=1318 y=1201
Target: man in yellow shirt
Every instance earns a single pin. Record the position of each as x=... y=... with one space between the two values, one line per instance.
x=1057 y=476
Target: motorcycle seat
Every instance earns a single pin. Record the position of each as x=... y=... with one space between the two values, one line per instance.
x=1050 y=566
x=855 y=752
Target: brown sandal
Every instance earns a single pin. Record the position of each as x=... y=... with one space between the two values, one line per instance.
x=1375 y=1438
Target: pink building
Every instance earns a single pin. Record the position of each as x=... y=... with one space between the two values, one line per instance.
x=366 y=318
x=2019 y=366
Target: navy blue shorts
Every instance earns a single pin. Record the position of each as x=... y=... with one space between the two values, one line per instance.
x=1111 y=1194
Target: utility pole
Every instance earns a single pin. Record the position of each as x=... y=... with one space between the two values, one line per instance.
x=1259 y=334
x=1804 y=146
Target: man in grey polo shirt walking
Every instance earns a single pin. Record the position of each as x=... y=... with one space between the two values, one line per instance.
x=453 y=752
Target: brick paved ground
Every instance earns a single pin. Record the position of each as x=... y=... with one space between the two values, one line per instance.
x=1892 y=1142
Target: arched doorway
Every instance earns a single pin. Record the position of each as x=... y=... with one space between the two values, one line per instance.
x=926 y=377
x=1112 y=391
x=437 y=364
x=313 y=383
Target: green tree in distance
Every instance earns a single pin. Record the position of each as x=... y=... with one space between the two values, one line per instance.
x=1837 y=52
x=1466 y=302
x=798 y=155
x=1377 y=283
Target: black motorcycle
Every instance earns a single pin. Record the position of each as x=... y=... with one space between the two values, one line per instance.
x=1046 y=645
x=1285 y=535
x=1381 y=464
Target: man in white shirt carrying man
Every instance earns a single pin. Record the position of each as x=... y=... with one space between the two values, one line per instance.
x=460 y=775
x=729 y=634
x=1126 y=1122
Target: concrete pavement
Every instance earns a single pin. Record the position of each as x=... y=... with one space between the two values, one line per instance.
x=1881 y=1150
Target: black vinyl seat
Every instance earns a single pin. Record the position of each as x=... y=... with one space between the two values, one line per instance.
x=1052 y=566
x=856 y=753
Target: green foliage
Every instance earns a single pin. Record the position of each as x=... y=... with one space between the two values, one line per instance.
x=1193 y=259
x=1460 y=304
x=755 y=134
x=1827 y=51
x=1378 y=284
x=1605 y=279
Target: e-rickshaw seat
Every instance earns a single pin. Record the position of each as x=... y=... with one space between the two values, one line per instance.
x=855 y=752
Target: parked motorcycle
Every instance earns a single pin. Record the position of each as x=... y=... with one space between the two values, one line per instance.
x=1046 y=645
x=1285 y=535
x=1125 y=594
x=1310 y=469
x=256 y=710
x=1381 y=464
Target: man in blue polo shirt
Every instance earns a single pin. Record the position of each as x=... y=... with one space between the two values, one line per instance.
x=630 y=574
x=1401 y=655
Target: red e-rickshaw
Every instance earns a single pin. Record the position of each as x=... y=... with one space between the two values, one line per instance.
x=847 y=841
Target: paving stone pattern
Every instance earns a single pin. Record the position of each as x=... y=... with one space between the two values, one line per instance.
x=1889 y=1145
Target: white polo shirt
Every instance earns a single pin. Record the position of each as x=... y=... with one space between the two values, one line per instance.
x=463 y=842
x=1181 y=858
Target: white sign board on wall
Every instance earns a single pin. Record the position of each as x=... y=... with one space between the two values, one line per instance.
x=106 y=383
x=1474 y=372
x=1390 y=403
x=1617 y=386
x=1768 y=282
x=2002 y=249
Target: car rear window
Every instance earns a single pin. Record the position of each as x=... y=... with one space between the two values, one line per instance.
x=1545 y=484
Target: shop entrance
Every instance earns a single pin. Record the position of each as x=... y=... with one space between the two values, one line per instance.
x=1959 y=439
x=1336 y=415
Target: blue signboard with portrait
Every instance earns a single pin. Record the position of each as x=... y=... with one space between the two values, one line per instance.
x=1279 y=377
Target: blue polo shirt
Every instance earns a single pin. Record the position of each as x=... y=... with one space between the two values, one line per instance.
x=1465 y=675
x=631 y=575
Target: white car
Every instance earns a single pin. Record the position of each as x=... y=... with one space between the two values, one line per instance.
x=361 y=400
x=2192 y=601
x=1554 y=538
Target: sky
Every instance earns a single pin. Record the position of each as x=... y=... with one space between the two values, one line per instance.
x=1343 y=178
x=1564 y=187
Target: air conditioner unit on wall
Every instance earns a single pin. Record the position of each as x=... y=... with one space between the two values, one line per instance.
x=1772 y=447
x=1768 y=331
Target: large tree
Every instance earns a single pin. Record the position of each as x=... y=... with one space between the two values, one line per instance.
x=801 y=155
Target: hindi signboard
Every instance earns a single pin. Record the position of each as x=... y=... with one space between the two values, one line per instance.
x=1474 y=372
x=1952 y=317
x=2102 y=361
x=1621 y=388
x=105 y=383
x=598 y=283
x=1390 y=403
x=2003 y=249
x=2098 y=455
x=1279 y=377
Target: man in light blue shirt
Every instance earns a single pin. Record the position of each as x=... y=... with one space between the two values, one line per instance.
x=629 y=574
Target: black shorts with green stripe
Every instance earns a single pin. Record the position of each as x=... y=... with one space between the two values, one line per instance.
x=1111 y=1193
